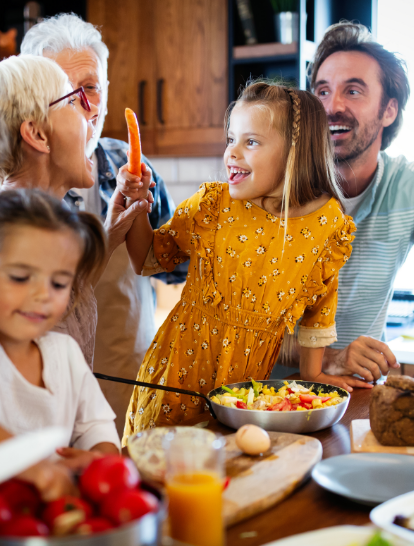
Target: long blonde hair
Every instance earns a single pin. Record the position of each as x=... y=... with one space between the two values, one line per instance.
x=301 y=120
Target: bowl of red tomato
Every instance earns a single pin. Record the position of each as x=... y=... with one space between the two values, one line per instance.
x=115 y=507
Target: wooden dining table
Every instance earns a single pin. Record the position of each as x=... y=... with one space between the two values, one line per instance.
x=309 y=507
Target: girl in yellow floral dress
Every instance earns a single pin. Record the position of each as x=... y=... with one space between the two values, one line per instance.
x=265 y=250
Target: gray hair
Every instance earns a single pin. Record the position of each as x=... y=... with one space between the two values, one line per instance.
x=28 y=84
x=65 y=31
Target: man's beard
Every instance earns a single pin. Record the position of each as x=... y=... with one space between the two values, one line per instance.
x=362 y=141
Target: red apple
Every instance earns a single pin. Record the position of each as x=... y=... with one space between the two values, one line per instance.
x=64 y=514
x=5 y=512
x=106 y=475
x=22 y=497
x=128 y=504
x=24 y=526
x=94 y=525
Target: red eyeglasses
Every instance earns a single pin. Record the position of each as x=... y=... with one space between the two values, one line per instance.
x=83 y=98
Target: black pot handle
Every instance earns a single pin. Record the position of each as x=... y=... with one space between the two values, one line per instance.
x=157 y=387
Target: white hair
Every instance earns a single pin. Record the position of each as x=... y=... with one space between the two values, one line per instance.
x=69 y=31
x=4 y=142
x=28 y=84
x=65 y=31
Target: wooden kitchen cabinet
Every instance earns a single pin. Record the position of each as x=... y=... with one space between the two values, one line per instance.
x=168 y=62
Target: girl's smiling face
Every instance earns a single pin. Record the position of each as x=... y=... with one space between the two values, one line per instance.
x=37 y=269
x=255 y=156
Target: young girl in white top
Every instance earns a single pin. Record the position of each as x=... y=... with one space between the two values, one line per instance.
x=45 y=250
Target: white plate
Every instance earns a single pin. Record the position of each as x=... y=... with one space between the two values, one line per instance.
x=25 y=450
x=383 y=515
x=342 y=535
x=368 y=478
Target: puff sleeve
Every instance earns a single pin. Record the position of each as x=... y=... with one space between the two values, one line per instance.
x=172 y=241
x=317 y=328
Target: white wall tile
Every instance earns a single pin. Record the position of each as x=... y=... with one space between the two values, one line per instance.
x=166 y=167
x=197 y=169
x=181 y=192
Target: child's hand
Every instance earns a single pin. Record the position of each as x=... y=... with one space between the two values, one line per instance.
x=134 y=187
x=52 y=480
x=77 y=460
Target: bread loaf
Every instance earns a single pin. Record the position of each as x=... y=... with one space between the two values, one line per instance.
x=391 y=411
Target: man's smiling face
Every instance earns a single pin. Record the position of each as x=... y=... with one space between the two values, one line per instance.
x=349 y=85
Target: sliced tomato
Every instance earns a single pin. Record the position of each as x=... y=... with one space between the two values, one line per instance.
x=307 y=397
x=290 y=390
x=275 y=407
x=284 y=405
x=306 y=405
x=287 y=405
x=241 y=405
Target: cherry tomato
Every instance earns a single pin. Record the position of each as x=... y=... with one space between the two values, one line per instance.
x=64 y=514
x=5 y=512
x=94 y=525
x=24 y=526
x=128 y=504
x=106 y=475
x=241 y=405
x=21 y=497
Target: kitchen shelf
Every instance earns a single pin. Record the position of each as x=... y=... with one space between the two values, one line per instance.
x=264 y=50
x=272 y=52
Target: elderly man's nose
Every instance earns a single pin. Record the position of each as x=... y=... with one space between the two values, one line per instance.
x=93 y=114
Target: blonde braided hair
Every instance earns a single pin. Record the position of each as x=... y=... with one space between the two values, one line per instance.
x=296 y=116
x=290 y=164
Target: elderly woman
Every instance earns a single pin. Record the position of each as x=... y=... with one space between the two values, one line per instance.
x=47 y=127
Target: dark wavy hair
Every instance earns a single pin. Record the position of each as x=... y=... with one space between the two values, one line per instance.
x=34 y=208
x=348 y=36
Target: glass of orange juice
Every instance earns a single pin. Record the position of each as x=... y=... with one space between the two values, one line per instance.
x=194 y=479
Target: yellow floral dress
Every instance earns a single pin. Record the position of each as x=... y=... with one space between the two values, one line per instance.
x=247 y=284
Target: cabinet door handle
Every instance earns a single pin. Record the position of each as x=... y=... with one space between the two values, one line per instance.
x=160 y=87
x=141 y=97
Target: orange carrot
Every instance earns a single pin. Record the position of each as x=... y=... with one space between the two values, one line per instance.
x=134 y=158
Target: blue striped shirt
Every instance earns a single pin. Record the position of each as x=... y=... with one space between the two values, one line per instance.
x=384 y=237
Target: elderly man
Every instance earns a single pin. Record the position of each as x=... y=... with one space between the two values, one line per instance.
x=125 y=301
x=364 y=90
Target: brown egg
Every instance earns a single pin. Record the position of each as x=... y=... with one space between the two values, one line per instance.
x=252 y=440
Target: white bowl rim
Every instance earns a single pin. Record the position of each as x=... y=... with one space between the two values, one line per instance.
x=383 y=515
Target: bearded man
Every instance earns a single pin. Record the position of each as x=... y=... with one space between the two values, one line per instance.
x=364 y=90
x=126 y=324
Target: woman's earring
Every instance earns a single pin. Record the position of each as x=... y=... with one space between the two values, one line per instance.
x=48 y=148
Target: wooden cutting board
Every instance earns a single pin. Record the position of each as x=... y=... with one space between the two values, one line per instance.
x=364 y=441
x=260 y=482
